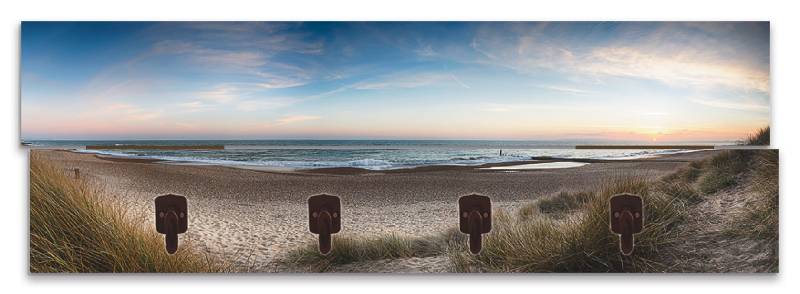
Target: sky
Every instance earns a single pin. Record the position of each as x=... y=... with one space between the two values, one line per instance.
x=631 y=81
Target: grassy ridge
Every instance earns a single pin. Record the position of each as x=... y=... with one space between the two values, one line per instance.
x=73 y=230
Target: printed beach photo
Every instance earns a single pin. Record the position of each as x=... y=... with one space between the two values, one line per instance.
x=399 y=147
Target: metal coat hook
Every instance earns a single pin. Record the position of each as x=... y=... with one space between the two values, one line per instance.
x=475 y=219
x=626 y=218
x=171 y=219
x=324 y=219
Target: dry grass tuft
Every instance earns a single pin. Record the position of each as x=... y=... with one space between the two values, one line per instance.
x=721 y=171
x=555 y=206
x=563 y=202
x=759 y=138
x=680 y=190
x=348 y=249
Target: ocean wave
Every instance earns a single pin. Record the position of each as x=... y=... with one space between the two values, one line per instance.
x=105 y=152
x=366 y=163
x=372 y=159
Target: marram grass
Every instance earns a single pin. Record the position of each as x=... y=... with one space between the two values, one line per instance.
x=578 y=243
x=349 y=248
x=72 y=229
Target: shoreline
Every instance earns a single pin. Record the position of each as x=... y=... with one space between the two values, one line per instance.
x=494 y=166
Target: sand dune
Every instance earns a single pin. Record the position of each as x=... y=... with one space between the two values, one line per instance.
x=252 y=218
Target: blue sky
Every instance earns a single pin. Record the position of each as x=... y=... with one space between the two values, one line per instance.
x=639 y=81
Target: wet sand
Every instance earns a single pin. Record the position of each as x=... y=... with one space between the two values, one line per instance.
x=253 y=217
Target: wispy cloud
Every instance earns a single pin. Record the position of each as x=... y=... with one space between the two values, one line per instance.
x=248 y=49
x=246 y=97
x=508 y=107
x=263 y=104
x=478 y=48
x=670 y=55
x=132 y=112
x=293 y=119
x=194 y=106
x=269 y=74
x=295 y=78
x=269 y=37
x=677 y=69
x=409 y=80
x=425 y=51
x=210 y=57
x=743 y=105
x=566 y=89
x=459 y=81
x=223 y=93
x=655 y=113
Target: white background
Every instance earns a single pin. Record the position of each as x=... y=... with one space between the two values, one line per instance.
x=785 y=24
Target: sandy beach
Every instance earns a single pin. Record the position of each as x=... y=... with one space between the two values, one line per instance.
x=253 y=217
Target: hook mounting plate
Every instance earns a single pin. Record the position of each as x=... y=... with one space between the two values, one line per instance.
x=168 y=202
x=469 y=203
x=324 y=202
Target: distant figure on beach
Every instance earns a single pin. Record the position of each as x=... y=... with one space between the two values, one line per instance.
x=501 y=152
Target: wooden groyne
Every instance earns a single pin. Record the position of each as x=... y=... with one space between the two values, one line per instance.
x=155 y=147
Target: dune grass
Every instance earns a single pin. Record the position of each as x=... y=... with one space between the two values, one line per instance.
x=684 y=191
x=759 y=138
x=763 y=218
x=759 y=221
x=721 y=171
x=688 y=174
x=560 y=203
x=349 y=249
x=72 y=229
x=527 y=243
x=579 y=243
x=765 y=212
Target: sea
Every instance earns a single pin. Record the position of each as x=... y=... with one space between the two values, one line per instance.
x=366 y=154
